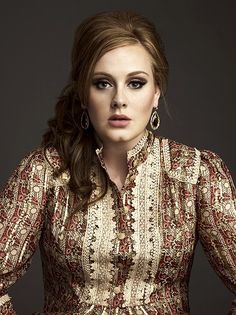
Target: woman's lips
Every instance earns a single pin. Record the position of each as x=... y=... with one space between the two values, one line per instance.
x=119 y=121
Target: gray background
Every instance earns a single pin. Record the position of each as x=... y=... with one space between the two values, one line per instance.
x=36 y=39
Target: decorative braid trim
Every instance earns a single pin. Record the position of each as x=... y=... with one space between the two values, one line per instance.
x=3 y=299
x=166 y=154
x=196 y=166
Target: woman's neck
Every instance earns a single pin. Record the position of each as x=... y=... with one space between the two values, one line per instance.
x=115 y=160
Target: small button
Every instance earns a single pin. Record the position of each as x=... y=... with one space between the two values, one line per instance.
x=121 y=235
x=126 y=209
x=116 y=290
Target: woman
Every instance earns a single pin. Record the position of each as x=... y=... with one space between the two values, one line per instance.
x=117 y=210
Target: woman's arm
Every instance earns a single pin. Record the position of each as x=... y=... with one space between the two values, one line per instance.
x=216 y=210
x=22 y=204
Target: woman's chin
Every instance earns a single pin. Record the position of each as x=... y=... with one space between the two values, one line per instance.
x=122 y=137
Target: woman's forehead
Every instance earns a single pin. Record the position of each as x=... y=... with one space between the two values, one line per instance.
x=127 y=58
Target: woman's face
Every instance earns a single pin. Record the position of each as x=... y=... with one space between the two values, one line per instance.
x=122 y=95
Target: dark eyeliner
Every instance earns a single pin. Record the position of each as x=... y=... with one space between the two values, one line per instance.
x=98 y=81
x=141 y=82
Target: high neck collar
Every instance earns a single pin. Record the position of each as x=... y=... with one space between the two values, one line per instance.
x=141 y=149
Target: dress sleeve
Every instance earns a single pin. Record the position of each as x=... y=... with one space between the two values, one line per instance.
x=22 y=202
x=216 y=210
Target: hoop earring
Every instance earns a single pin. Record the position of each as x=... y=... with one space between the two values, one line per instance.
x=155 y=120
x=84 y=121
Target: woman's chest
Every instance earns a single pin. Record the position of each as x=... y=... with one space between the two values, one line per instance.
x=150 y=226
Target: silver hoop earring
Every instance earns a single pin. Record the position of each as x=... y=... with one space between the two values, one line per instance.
x=84 y=121
x=155 y=120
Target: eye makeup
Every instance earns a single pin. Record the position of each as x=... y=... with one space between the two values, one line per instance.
x=104 y=83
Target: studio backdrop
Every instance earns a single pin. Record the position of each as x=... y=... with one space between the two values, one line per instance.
x=36 y=40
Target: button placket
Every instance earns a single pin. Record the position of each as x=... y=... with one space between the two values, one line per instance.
x=122 y=233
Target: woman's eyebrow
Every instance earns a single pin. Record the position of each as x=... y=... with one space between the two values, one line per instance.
x=137 y=72
x=128 y=75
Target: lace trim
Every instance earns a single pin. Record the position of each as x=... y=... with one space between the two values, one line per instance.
x=196 y=166
x=138 y=147
x=3 y=299
x=166 y=154
x=147 y=247
x=100 y=228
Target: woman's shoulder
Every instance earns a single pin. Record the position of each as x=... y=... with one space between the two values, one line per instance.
x=52 y=157
x=184 y=162
x=46 y=157
x=44 y=160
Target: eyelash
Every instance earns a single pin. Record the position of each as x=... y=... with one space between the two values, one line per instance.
x=141 y=83
x=101 y=81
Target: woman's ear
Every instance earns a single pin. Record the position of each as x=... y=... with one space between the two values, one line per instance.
x=156 y=96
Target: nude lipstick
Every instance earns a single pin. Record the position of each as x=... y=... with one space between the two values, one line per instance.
x=119 y=121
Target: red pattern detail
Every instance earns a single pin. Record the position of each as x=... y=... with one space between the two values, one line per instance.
x=25 y=213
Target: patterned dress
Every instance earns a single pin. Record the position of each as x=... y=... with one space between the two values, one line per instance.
x=130 y=252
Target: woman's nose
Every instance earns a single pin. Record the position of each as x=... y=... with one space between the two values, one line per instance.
x=118 y=104
x=119 y=99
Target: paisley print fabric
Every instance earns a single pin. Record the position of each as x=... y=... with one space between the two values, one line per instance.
x=130 y=252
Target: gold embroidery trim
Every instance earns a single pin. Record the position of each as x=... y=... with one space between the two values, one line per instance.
x=4 y=299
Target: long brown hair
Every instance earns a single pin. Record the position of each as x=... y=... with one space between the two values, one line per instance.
x=94 y=37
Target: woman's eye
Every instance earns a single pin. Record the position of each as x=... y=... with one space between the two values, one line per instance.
x=102 y=84
x=136 y=84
